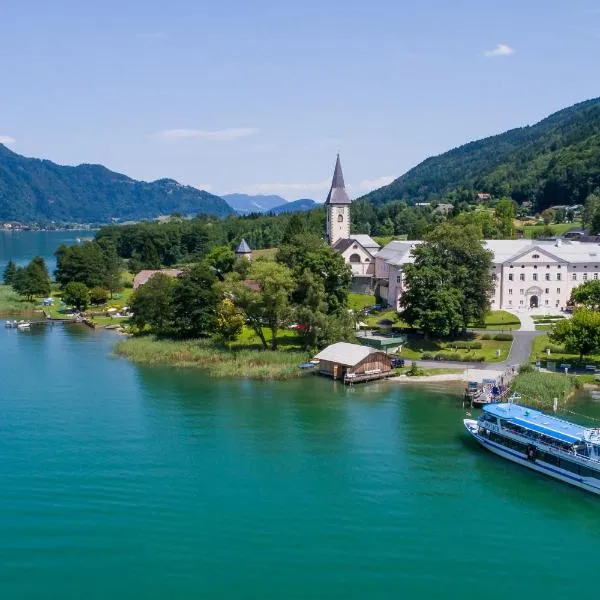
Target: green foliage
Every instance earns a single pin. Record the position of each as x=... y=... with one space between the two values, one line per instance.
x=552 y=162
x=98 y=295
x=9 y=272
x=195 y=301
x=221 y=259
x=449 y=284
x=587 y=294
x=230 y=322
x=89 y=264
x=414 y=370
x=541 y=388
x=152 y=304
x=32 y=280
x=579 y=334
x=76 y=294
x=35 y=190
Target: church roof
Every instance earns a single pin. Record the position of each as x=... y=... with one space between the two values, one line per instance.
x=337 y=193
x=243 y=248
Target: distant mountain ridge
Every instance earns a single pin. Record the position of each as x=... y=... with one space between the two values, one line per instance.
x=300 y=205
x=555 y=161
x=244 y=204
x=32 y=189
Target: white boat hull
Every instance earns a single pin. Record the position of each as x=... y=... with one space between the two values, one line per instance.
x=589 y=484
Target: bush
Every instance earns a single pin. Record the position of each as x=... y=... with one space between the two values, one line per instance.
x=487 y=336
x=427 y=356
x=414 y=370
x=526 y=368
x=98 y=295
x=503 y=337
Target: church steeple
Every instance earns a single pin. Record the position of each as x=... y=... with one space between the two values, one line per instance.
x=337 y=192
x=338 y=207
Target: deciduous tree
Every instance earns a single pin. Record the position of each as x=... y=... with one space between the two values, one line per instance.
x=152 y=304
x=587 y=294
x=76 y=294
x=579 y=334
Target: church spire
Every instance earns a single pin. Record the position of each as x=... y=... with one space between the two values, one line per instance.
x=337 y=193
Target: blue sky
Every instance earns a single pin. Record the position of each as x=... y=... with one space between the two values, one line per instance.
x=259 y=96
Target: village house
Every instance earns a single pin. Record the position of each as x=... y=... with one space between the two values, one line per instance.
x=353 y=362
x=144 y=276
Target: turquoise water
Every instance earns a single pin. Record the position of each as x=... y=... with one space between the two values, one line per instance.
x=121 y=482
x=22 y=246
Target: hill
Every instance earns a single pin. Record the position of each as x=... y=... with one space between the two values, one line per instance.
x=40 y=190
x=295 y=206
x=244 y=204
x=556 y=161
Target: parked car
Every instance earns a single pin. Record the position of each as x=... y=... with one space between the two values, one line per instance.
x=397 y=363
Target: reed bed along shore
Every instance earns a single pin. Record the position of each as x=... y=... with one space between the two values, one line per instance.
x=212 y=359
x=540 y=388
x=13 y=305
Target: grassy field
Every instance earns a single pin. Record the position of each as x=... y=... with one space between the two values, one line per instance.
x=557 y=229
x=557 y=353
x=500 y=319
x=13 y=305
x=540 y=389
x=373 y=319
x=266 y=253
x=215 y=361
x=418 y=348
x=360 y=301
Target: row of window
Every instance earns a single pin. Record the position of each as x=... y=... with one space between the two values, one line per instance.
x=522 y=291
x=547 y=278
x=548 y=266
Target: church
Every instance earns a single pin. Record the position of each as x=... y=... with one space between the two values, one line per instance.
x=358 y=250
x=527 y=274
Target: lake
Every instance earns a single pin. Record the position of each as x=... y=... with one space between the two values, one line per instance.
x=124 y=482
x=22 y=246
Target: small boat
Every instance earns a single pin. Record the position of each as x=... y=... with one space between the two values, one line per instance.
x=10 y=324
x=23 y=325
x=543 y=443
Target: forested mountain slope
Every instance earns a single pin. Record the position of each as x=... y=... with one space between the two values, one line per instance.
x=556 y=161
x=40 y=190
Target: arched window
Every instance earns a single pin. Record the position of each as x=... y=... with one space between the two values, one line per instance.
x=340 y=218
x=354 y=258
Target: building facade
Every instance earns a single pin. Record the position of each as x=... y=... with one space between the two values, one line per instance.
x=527 y=274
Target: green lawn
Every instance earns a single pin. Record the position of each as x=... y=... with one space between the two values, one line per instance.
x=500 y=319
x=359 y=301
x=390 y=314
x=557 y=353
x=416 y=347
x=557 y=229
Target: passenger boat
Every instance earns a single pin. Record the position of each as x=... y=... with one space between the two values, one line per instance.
x=547 y=444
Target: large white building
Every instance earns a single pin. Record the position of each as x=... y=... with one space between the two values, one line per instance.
x=526 y=273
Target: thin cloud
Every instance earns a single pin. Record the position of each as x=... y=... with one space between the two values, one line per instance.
x=372 y=184
x=6 y=139
x=219 y=135
x=499 y=50
x=203 y=186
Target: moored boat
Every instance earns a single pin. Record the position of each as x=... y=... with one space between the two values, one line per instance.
x=547 y=444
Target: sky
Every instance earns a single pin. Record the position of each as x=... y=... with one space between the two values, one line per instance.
x=258 y=96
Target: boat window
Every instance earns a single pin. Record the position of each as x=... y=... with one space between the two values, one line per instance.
x=586 y=472
x=567 y=465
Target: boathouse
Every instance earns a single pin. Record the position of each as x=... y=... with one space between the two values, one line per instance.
x=353 y=363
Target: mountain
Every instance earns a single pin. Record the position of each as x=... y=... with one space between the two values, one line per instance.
x=40 y=190
x=244 y=204
x=295 y=206
x=556 y=161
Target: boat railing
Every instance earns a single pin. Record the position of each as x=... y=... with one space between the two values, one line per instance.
x=551 y=447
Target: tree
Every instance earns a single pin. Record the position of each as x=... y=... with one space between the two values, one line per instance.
x=429 y=302
x=76 y=294
x=506 y=212
x=221 y=259
x=265 y=298
x=294 y=227
x=587 y=294
x=308 y=252
x=195 y=302
x=113 y=266
x=230 y=322
x=580 y=333
x=152 y=304
x=98 y=295
x=9 y=272
x=451 y=271
x=85 y=263
x=32 y=280
x=591 y=208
